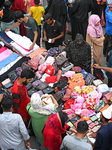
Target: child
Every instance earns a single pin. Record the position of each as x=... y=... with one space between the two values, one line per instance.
x=37 y=12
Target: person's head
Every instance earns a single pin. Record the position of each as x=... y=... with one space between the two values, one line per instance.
x=12 y=1
x=19 y=16
x=82 y=128
x=26 y=76
x=36 y=102
x=110 y=7
x=94 y=20
x=7 y=5
x=48 y=18
x=7 y=103
x=63 y=117
x=105 y=116
x=37 y=2
x=79 y=39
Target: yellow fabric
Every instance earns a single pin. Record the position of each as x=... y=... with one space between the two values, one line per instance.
x=37 y=13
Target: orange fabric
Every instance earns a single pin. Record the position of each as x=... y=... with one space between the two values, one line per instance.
x=37 y=52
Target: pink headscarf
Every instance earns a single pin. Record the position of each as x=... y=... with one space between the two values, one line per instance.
x=93 y=30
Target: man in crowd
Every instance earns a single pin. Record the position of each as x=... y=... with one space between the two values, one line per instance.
x=33 y=31
x=13 y=132
x=20 y=94
x=53 y=32
x=104 y=137
x=77 y=142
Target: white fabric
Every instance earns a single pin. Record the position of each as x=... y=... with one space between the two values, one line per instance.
x=19 y=39
x=21 y=50
x=107 y=114
x=12 y=131
x=6 y=68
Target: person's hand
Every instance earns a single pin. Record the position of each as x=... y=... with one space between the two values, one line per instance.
x=25 y=120
x=91 y=134
x=28 y=145
x=1 y=96
x=31 y=47
x=45 y=38
x=47 y=96
x=44 y=103
x=7 y=30
x=96 y=66
x=53 y=40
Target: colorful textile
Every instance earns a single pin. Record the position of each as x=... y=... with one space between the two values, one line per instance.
x=3 y=49
x=5 y=37
x=93 y=30
x=8 y=60
x=52 y=132
x=5 y=54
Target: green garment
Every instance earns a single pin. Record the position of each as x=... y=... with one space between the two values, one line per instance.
x=38 y=123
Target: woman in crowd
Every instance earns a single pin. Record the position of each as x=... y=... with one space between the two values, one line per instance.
x=39 y=109
x=7 y=20
x=95 y=35
x=54 y=129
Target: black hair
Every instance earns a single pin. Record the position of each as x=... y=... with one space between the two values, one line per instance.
x=63 y=116
x=18 y=15
x=65 y=148
x=48 y=16
x=12 y=1
x=27 y=73
x=7 y=5
x=82 y=127
x=107 y=120
x=36 y=2
x=66 y=42
x=7 y=102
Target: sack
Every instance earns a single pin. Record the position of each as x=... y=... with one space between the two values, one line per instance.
x=89 y=79
x=48 y=90
x=33 y=63
x=67 y=66
x=103 y=88
x=108 y=98
x=18 y=71
x=51 y=79
x=36 y=83
x=13 y=76
x=60 y=60
x=50 y=70
x=25 y=66
x=54 y=51
x=84 y=73
x=40 y=93
x=42 y=86
x=77 y=69
x=29 y=86
x=31 y=91
x=97 y=82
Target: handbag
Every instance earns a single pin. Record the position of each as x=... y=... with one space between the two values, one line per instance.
x=56 y=68
x=108 y=98
x=34 y=62
x=57 y=96
x=48 y=90
x=97 y=82
x=67 y=66
x=31 y=91
x=29 y=86
x=25 y=66
x=13 y=76
x=50 y=70
x=89 y=79
x=60 y=59
x=103 y=88
x=42 y=86
x=54 y=51
x=77 y=69
x=84 y=73
x=18 y=71
x=36 y=83
x=40 y=93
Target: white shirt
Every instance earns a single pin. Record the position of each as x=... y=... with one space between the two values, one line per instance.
x=13 y=132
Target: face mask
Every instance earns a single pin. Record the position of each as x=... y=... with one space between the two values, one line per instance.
x=25 y=82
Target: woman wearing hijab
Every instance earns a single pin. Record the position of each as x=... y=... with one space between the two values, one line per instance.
x=95 y=35
x=7 y=20
x=39 y=109
x=54 y=129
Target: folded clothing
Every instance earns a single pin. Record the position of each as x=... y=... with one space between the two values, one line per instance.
x=5 y=37
x=5 y=54
x=2 y=49
x=8 y=60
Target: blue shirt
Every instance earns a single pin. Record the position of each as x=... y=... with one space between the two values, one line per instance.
x=109 y=21
x=109 y=75
x=103 y=141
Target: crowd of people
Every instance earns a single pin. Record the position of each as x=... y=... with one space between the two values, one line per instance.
x=88 y=20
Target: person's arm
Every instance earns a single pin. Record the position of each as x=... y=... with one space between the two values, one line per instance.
x=15 y=25
x=45 y=35
x=72 y=130
x=104 y=68
x=1 y=96
x=58 y=37
x=35 y=39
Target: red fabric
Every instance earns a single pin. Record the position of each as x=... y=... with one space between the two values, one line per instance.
x=50 y=70
x=51 y=79
x=52 y=132
x=68 y=103
x=21 y=90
